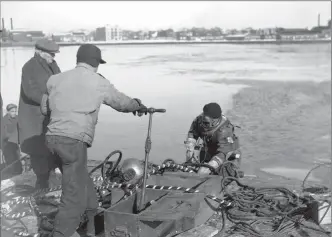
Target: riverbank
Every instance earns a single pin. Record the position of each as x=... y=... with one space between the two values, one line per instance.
x=285 y=127
x=173 y=42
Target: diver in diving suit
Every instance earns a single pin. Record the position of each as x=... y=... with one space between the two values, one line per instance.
x=217 y=132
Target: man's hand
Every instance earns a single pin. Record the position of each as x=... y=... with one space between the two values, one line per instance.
x=140 y=109
x=190 y=147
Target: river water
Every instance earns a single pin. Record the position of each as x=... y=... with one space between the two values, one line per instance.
x=174 y=77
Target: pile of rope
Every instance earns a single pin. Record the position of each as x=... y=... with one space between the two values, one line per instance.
x=255 y=212
x=262 y=212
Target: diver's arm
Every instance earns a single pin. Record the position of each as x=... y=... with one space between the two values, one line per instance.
x=193 y=130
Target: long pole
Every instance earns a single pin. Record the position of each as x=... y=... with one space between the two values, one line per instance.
x=147 y=151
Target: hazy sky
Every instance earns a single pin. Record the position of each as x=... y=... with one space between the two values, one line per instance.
x=65 y=15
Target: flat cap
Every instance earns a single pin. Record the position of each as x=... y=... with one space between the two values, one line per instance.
x=11 y=106
x=47 y=45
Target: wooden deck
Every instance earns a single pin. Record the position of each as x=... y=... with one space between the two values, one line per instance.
x=207 y=224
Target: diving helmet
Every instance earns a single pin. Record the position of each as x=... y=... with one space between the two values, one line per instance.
x=132 y=170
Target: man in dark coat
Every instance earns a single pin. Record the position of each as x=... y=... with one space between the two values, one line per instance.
x=32 y=124
x=0 y=119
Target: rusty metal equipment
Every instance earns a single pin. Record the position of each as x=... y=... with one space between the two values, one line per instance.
x=173 y=213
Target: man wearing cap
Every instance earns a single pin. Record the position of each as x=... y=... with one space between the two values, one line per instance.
x=9 y=139
x=217 y=132
x=32 y=124
x=73 y=101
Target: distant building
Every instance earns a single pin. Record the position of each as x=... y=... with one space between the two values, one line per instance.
x=298 y=34
x=61 y=37
x=108 y=33
x=78 y=37
x=168 y=34
x=70 y=37
x=25 y=36
x=235 y=37
x=323 y=31
x=100 y=34
x=260 y=34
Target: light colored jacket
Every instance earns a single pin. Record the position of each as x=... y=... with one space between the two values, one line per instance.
x=74 y=99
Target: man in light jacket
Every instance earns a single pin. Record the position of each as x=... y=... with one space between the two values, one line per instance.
x=73 y=102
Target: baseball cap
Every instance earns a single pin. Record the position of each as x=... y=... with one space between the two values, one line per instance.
x=89 y=54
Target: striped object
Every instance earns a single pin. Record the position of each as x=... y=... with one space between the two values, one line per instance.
x=18 y=233
x=40 y=195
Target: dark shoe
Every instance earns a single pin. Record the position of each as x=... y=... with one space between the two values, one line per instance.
x=45 y=234
x=46 y=225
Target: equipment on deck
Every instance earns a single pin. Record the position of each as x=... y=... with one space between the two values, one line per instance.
x=141 y=199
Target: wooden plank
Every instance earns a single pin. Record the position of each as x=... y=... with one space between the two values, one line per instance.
x=213 y=187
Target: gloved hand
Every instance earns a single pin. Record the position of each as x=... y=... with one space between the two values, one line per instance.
x=203 y=171
x=58 y=173
x=215 y=162
x=190 y=146
x=141 y=107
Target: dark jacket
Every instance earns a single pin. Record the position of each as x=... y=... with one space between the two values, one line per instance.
x=74 y=99
x=35 y=74
x=9 y=129
x=219 y=141
x=1 y=120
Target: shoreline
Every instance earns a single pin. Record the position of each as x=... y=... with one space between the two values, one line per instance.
x=173 y=42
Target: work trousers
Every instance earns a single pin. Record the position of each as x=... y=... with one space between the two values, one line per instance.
x=78 y=192
x=40 y=159
x=11 y=154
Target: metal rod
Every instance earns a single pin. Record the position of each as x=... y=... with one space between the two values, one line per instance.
x=147 y=151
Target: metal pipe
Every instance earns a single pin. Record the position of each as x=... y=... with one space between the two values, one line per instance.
x=147 y=151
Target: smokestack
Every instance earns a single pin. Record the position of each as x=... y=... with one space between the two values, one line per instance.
x=318 y=19
x=3 y=23
x=11 y=24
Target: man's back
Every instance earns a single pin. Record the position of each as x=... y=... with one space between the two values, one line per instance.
x=74 y=99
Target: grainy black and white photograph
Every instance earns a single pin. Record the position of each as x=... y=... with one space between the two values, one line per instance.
x=165 y=118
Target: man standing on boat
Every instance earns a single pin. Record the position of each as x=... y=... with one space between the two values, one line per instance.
x=9 y=138
x=217 y=132
x=73 y=102
x=32 y=124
